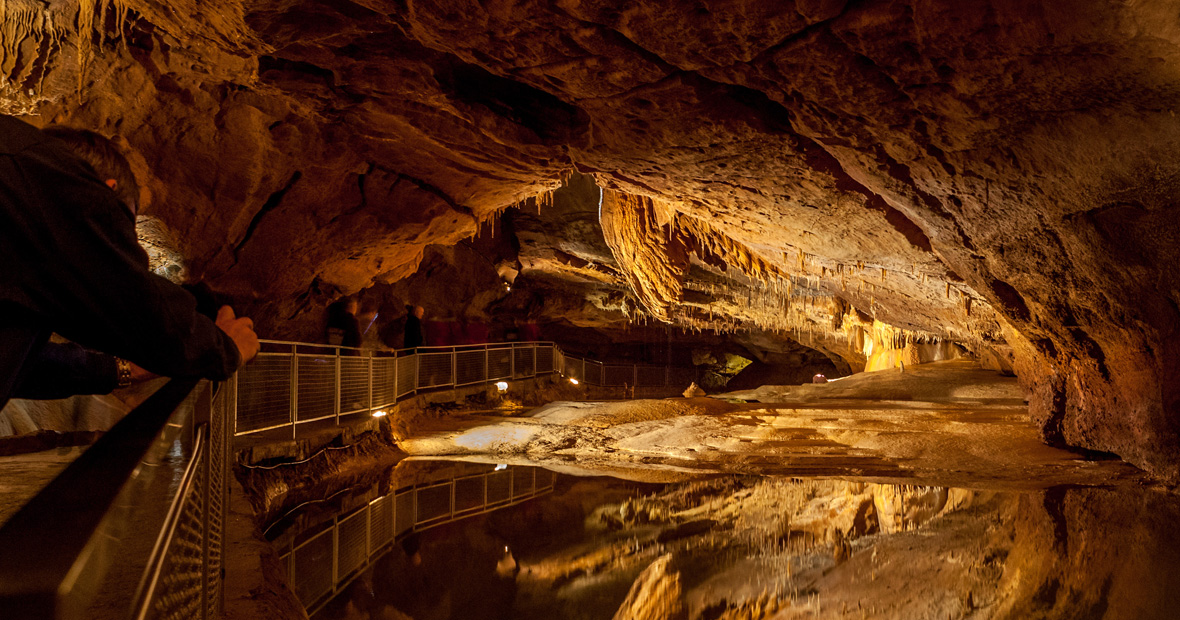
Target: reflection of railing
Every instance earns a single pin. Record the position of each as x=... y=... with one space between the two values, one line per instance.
x=292 y=383
x=145 y=504
x=320 y=564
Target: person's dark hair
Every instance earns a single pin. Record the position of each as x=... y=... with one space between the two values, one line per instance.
x=102 y=155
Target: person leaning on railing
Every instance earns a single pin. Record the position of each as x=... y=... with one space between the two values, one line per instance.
x=70 y=263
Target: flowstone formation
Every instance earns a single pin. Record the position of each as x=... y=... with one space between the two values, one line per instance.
x=998 y=176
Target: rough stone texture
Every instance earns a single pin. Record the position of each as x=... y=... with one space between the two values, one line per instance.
x=995 y=174
x=948 y=423
x=256 y=584
x=655 y=595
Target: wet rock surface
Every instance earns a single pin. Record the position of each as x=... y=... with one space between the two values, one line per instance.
x=947 y=423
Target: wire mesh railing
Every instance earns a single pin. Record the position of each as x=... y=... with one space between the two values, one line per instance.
x=147 y=506
x=325 y=559
x=292 y=383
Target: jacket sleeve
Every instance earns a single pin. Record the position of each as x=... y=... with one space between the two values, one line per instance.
x=61 y=370
x=84 y=272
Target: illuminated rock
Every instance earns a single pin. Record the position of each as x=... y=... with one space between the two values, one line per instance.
x=1001 y=177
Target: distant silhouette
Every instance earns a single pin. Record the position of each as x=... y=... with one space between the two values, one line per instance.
x=343 y=328
x=414 y=336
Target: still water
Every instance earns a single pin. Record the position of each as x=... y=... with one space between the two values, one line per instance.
x=437 y=540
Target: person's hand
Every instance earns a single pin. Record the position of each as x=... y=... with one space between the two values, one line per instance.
x=139 y=374
x=241 y=330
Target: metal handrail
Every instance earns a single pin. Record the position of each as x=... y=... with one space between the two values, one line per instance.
x=151 y=577
x=56 y=551
x=278 y=377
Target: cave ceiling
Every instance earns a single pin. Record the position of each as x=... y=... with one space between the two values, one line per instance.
x=1000 y=174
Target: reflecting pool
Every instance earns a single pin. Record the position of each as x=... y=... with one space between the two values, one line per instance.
x=451 y=540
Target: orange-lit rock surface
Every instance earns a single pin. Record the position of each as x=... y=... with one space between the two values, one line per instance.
x=947 y=423
x=998 y=175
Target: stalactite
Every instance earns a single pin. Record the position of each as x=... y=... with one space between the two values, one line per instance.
x=82 y=37
x=120 y=18
x=19 y=24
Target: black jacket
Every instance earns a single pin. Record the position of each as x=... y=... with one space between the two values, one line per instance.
x=70 y=262
x=413 y=332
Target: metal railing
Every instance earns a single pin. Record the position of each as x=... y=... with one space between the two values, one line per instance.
x=294 y=383
x=322 y=561
x=141 y=511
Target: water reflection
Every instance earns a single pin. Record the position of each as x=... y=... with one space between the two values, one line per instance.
x=325 y=545
x=768 y=547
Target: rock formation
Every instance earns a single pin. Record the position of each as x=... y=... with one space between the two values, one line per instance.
x=1000 y=176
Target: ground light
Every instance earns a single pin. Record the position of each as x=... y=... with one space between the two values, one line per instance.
x=502 y=386
x=378 y=414
x=573 y=381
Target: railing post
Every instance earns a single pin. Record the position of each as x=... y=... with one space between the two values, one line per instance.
x=336 y=406
x=417 y=378
x=335 y=552
x=512 y=363
x=414 y=509
x=206 y=523
x=291 y=563
x=294 y=387
x=370 y=400
x=232 y=403
x=487 y=367
x=396 y=377
x=454 y=367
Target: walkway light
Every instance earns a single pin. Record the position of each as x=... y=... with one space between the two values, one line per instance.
x=573 y=381
x=502 y=386
x=379 y=413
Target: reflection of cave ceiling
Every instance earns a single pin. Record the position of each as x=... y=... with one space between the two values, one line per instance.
x=965 y=170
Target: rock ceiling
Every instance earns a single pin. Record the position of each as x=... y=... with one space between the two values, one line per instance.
x=995 y=173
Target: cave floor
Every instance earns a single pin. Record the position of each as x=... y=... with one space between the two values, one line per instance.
x=24 y=475
x=945 y=423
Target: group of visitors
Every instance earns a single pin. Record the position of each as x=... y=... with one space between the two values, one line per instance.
x=344 y=328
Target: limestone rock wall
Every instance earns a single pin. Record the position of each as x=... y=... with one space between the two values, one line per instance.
x=994 y=174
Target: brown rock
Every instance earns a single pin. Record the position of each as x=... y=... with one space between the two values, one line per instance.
x=655 y=595
x=953 y=170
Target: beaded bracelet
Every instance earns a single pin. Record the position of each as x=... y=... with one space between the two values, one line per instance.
x=124 y=372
